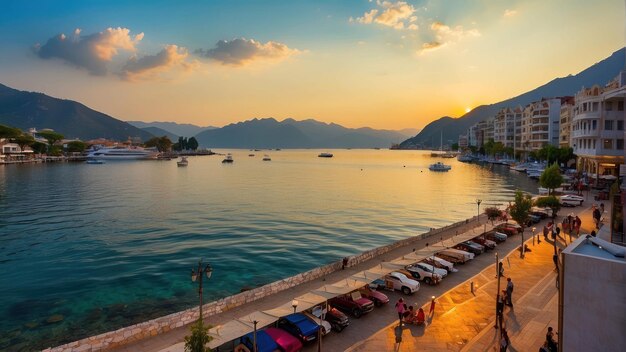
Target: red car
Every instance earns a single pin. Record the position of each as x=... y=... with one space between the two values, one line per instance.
x=284 y=340
x=488 y=244
x=375 y=296
x=506 y=229
x=353 y=303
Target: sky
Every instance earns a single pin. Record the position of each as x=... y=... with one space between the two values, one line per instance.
x=382 y=64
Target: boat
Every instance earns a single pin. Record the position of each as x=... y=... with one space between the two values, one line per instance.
x=439 y=166
x=325 y=155
x=123 y=153
x=465 y=158
x=228 y=159
x=250 y=154
x=448 y=155
x=183 y=161
x=94 y=161
x=266 y=158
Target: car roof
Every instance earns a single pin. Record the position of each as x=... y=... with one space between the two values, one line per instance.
x=304 y=323
x=264 y=342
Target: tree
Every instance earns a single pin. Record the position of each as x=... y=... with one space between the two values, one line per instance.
x=551 y=178
x=192 y=143
x=198 y=339
x=520 y=211
x=565 y=155
x=39 y=147
x=51 y=136
x=9 y=132
x=24 y=140
x=163 y=144
x=76 y=146
x=551 y=202
x=493 y=213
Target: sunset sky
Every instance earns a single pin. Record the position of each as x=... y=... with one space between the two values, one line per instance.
x=382 y=64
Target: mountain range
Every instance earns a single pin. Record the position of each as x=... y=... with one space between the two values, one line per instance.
x=450 y=128
x=170 y=129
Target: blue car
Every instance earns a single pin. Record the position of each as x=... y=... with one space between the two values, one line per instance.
x=263 y=341
x=300 y=326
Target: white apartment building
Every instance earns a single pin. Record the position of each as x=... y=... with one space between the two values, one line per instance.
x=597 y=133
x=504 y=127
x=540 y=124
x=567 y=112
x=463 y=141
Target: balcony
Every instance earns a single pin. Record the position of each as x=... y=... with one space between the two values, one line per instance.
x=585 y=134
x=588 y=115
x=599 y=152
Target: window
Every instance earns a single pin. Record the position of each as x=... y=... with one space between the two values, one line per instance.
x=619 y=144
x=608 y=144
x=609 y=106
x=594 y=124
x=620 y=125
x=608 y=125
x=620 y=105
x=595 y=106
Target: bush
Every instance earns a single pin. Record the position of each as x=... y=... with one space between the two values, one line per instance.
x=198 y=339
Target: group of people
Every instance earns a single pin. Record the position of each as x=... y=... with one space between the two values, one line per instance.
x=408 y=314
x=572 y=224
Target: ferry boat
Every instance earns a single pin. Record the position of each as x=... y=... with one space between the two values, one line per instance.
x=325 y=155
x=439 y=166
x=183 y=162
x=228 y=159
x=123 y=153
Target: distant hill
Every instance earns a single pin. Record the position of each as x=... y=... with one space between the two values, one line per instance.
x=72 y=119
x=599 y=73
x=177 y=129
x=159 y=132
x=270 y=133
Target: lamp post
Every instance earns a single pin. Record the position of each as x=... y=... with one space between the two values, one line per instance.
x=478 y=201
x=534 y=228
x=255 y=346
x=294 y=304
x=197 y=276
x=498 y=264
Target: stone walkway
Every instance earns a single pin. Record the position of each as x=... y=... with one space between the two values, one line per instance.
x=464 y=321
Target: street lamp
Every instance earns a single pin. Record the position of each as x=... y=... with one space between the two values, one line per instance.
x=294 y=304
x=534 y=228
x=478 y=201
x=255 y=349
x=197 y=276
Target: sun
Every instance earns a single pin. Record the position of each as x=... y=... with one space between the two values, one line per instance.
x=468 y=110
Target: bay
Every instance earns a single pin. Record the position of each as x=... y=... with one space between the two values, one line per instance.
x=106 y=246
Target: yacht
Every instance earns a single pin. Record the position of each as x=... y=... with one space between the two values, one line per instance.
x=183 y=161
x=439 y=166
x=267 y=158
x=228 y=159
x=95 y=161
x=123 y=153
x=465 y=158
x=325 y=155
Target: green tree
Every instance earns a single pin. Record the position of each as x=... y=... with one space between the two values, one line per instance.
x=24 y=140
x=163 y=144
x=192 y=143
x=520 y=211
x=198 y=339
x=565 y=155
x=76 y=147
x=551 y=202
x=9 y=132
x=51 y=136
x=39 y=148
x=551 y=178
x=493 y=213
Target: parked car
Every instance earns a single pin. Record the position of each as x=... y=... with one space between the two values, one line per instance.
x=401 y=282
x=300 y=326
x=326 y=327
x=496 y=236
x=421 y=272
x=334 y=316
x=506 y=229
x=353 y=303
x=441 y=264
x=456 y=256
x=471 y=247
x=264 y=342
x=533 y=218
x=542 y=212
x=285 y=341
x=488 y=244
x=375 y=296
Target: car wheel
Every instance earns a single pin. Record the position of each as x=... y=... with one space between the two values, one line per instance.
x=406 y=290
x=357 y=313
x=323 y=331
x=427 y=281
x=378 y=303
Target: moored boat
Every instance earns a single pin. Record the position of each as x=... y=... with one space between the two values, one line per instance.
x=228 y=159
x=325 y=155
x=183 y=161
x=439 y=166
x=267 y=158
x=123 y=153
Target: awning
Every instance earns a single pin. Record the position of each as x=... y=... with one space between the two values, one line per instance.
x=309 y=300
x=283 y=310
x=367 y=276
x=225 y=333
x=262 y=319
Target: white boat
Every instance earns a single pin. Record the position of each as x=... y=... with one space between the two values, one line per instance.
x=439 y=166
x=95 y=161
x=228 y=159
x=325 y=155
x=122 y=153
x=266 y=158
x=465 y=158
x=183 y=161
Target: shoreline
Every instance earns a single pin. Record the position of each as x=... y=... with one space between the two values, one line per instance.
x=177 y=323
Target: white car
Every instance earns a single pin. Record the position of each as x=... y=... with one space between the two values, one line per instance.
x=401 y=282
x=571 y=200
x=441 y=263
x=429 y=268
x=326 y=327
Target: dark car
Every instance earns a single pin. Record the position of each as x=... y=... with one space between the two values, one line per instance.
x=496 y=236
x=354 y=304
x=300 y=326
x=264 y=342
x=485 y=242
x=335 y=317
x=471 y=247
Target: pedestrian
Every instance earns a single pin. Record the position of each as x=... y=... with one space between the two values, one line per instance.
x=552 y=345
x=577 y=224
x=344 y=263
x=544 y=347
x=504 y=341
x=509 y=292
x=400 y=308
x=601 y=208
x=596 y=217
x=499 y=311
x=432 y=306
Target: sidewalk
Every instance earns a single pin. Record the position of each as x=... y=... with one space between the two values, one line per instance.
x=465 y=322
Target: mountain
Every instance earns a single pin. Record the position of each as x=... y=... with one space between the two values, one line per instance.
x=159 y=132
x=177 y=129
x=600 y=73
x=289 y=133
x=72 y=119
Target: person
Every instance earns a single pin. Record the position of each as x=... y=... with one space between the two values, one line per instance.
x=499 y=311
x=552 y=345
x=400 y=308
x=593 y=233
x=509 y=292
x=344 y=263
x=432 y=306
x=577 y=224
x=409 y=316
x=601 y=209
x=596 y=217
x=544 y=347
x=504 y=341
x=420 y=318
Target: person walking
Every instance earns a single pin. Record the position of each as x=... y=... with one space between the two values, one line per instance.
x=504 y=341
x=596 y=216
x=400 y=308
x=509 y=292
x=577 y=224
x=552 y=345
x=499 y=311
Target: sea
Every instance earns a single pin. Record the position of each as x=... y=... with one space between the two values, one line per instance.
x=86 y=249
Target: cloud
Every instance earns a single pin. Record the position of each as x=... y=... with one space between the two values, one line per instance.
x=91 y=52
x=397 y=15
x=149 y=66
x=242 y=51
x=509 y=13
x=445 y=34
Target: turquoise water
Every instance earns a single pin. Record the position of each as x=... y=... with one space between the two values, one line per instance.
x=106 y=246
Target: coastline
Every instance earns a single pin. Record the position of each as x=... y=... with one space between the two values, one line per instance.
x=176 y=324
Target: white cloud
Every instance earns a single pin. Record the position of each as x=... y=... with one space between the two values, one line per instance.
x=444 y=34
x=242 y=51
x=150 y=66
x=91 y=52
x=397 y=15
x=509 y=13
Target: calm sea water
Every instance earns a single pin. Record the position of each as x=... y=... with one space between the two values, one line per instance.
x=105 y=246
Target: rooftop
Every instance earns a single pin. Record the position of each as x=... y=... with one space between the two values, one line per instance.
x=595 y=247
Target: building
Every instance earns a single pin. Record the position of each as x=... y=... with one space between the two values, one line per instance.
x=597 y=133
x=567 y=110
x=463 y=141
x=540 y=124
x=504 y=127
x=592 y=296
